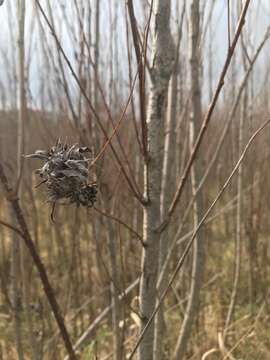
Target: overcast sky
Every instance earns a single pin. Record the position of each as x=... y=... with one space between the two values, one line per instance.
x=257 y=21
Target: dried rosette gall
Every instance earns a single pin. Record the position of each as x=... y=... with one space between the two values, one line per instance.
x=65 y=174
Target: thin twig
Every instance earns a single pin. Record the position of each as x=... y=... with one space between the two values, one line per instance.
x=118 y=123
x=109 y=216
x=229 y=24
x=206 y=120
x=11 y=227
x=101 y=316
x=83 y=91
x=139 y=58
x=13 y=199
x=190 y=243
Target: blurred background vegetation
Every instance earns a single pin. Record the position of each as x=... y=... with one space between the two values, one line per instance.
x=82 y=248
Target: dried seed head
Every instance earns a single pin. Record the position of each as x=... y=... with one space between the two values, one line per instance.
x=65 y=174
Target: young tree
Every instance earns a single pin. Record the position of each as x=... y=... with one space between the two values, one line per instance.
x=160 y=72
x=22 y=103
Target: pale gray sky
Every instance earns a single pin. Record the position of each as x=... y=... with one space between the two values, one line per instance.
x=258 y=20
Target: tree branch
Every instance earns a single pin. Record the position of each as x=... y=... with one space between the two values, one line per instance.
x=24 y=232
x=190 y=243
x=207 y=119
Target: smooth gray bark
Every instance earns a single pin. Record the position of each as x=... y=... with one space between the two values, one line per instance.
x=167 y=185
x=161 y=68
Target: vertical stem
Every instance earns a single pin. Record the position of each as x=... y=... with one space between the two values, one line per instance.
x=167 y=184
x=97 y=44
x=238 y=240
x=16 y=253
x=114 y=286
x=162 y=56
x=21 y=149
x=237 y=260
x=195 y=123
x=16 y=298
x=22 y=95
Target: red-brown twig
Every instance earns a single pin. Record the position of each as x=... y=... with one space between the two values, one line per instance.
x=121 y=223
x=24 y=232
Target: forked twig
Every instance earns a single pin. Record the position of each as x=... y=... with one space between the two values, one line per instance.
x=121 y=222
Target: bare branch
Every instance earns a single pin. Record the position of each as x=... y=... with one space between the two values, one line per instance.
x=207 y=118
x=190 y=243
